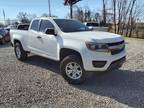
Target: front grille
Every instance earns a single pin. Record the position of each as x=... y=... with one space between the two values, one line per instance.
x=116 y=64
x=117 y=51
x=115 y=43
x=117 y=48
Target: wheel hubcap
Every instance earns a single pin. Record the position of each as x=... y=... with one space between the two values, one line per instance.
x=18 y=52
x=73 y=70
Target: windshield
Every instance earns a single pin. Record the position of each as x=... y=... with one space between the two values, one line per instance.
x=70 y=25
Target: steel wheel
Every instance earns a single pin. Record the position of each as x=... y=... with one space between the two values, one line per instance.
x=18 y=52
x=73 y=70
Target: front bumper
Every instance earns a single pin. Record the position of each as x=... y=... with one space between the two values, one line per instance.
x=116 y=64
x=111 y=61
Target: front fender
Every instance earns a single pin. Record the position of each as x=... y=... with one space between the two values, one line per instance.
x=76 y=45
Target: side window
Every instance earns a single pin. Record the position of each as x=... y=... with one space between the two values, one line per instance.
x=23 y=27
x=35 y=25
x=45 y=24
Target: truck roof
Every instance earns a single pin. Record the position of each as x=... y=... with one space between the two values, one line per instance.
x=51 y=18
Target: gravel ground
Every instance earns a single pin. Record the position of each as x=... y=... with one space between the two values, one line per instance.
x=37 y=83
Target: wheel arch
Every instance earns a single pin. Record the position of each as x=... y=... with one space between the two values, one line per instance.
x=23 y=45
x=67 y=51
x=16 y=40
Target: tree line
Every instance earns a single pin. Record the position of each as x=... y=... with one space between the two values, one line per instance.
x=22 y=17
x=124 y=15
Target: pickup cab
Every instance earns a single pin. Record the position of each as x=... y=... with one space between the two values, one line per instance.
x=70 y=42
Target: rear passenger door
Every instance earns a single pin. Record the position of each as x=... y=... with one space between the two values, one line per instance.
x=33 y=41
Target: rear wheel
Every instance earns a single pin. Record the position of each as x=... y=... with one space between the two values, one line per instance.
x=19 y=52
x=72 y=69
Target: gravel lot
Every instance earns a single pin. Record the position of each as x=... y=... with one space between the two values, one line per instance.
x=37 y=83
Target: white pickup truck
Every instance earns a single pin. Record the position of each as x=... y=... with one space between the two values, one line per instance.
x=70 y=42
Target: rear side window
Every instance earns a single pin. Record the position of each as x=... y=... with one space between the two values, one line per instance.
x=45 y=24
x=35 y=25
x=23 y=27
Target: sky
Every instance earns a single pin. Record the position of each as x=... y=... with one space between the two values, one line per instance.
x=38 y=7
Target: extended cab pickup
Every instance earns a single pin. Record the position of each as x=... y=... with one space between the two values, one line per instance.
x=78 y=49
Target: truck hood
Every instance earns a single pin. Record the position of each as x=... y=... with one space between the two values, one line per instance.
x=99 y=37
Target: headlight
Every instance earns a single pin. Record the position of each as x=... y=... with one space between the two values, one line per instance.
x=99 y=47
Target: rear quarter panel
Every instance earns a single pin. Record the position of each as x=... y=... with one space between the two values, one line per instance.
x=21 y=36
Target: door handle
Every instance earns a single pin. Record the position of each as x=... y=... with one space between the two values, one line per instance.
x=39 y=37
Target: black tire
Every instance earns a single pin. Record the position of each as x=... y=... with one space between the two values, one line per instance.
x=23 y=54
x=65 y=62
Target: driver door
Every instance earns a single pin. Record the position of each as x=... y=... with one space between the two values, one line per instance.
x=47 y=42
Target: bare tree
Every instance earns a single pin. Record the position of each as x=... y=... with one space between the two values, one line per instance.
x=79 y=13
x=114 y=13
x=97 y=17
x=23 y=17
x=127 y=5
x=138 y=12
x=125 y=15
x=86 y=15
x=130 y=18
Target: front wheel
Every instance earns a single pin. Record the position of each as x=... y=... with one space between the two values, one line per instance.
x=72 y=69
x=19 y=52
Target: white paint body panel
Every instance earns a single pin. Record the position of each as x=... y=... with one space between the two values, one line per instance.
x=49 y=46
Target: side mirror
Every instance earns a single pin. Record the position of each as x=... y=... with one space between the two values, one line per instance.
x=90 y=28
x=50 y=31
